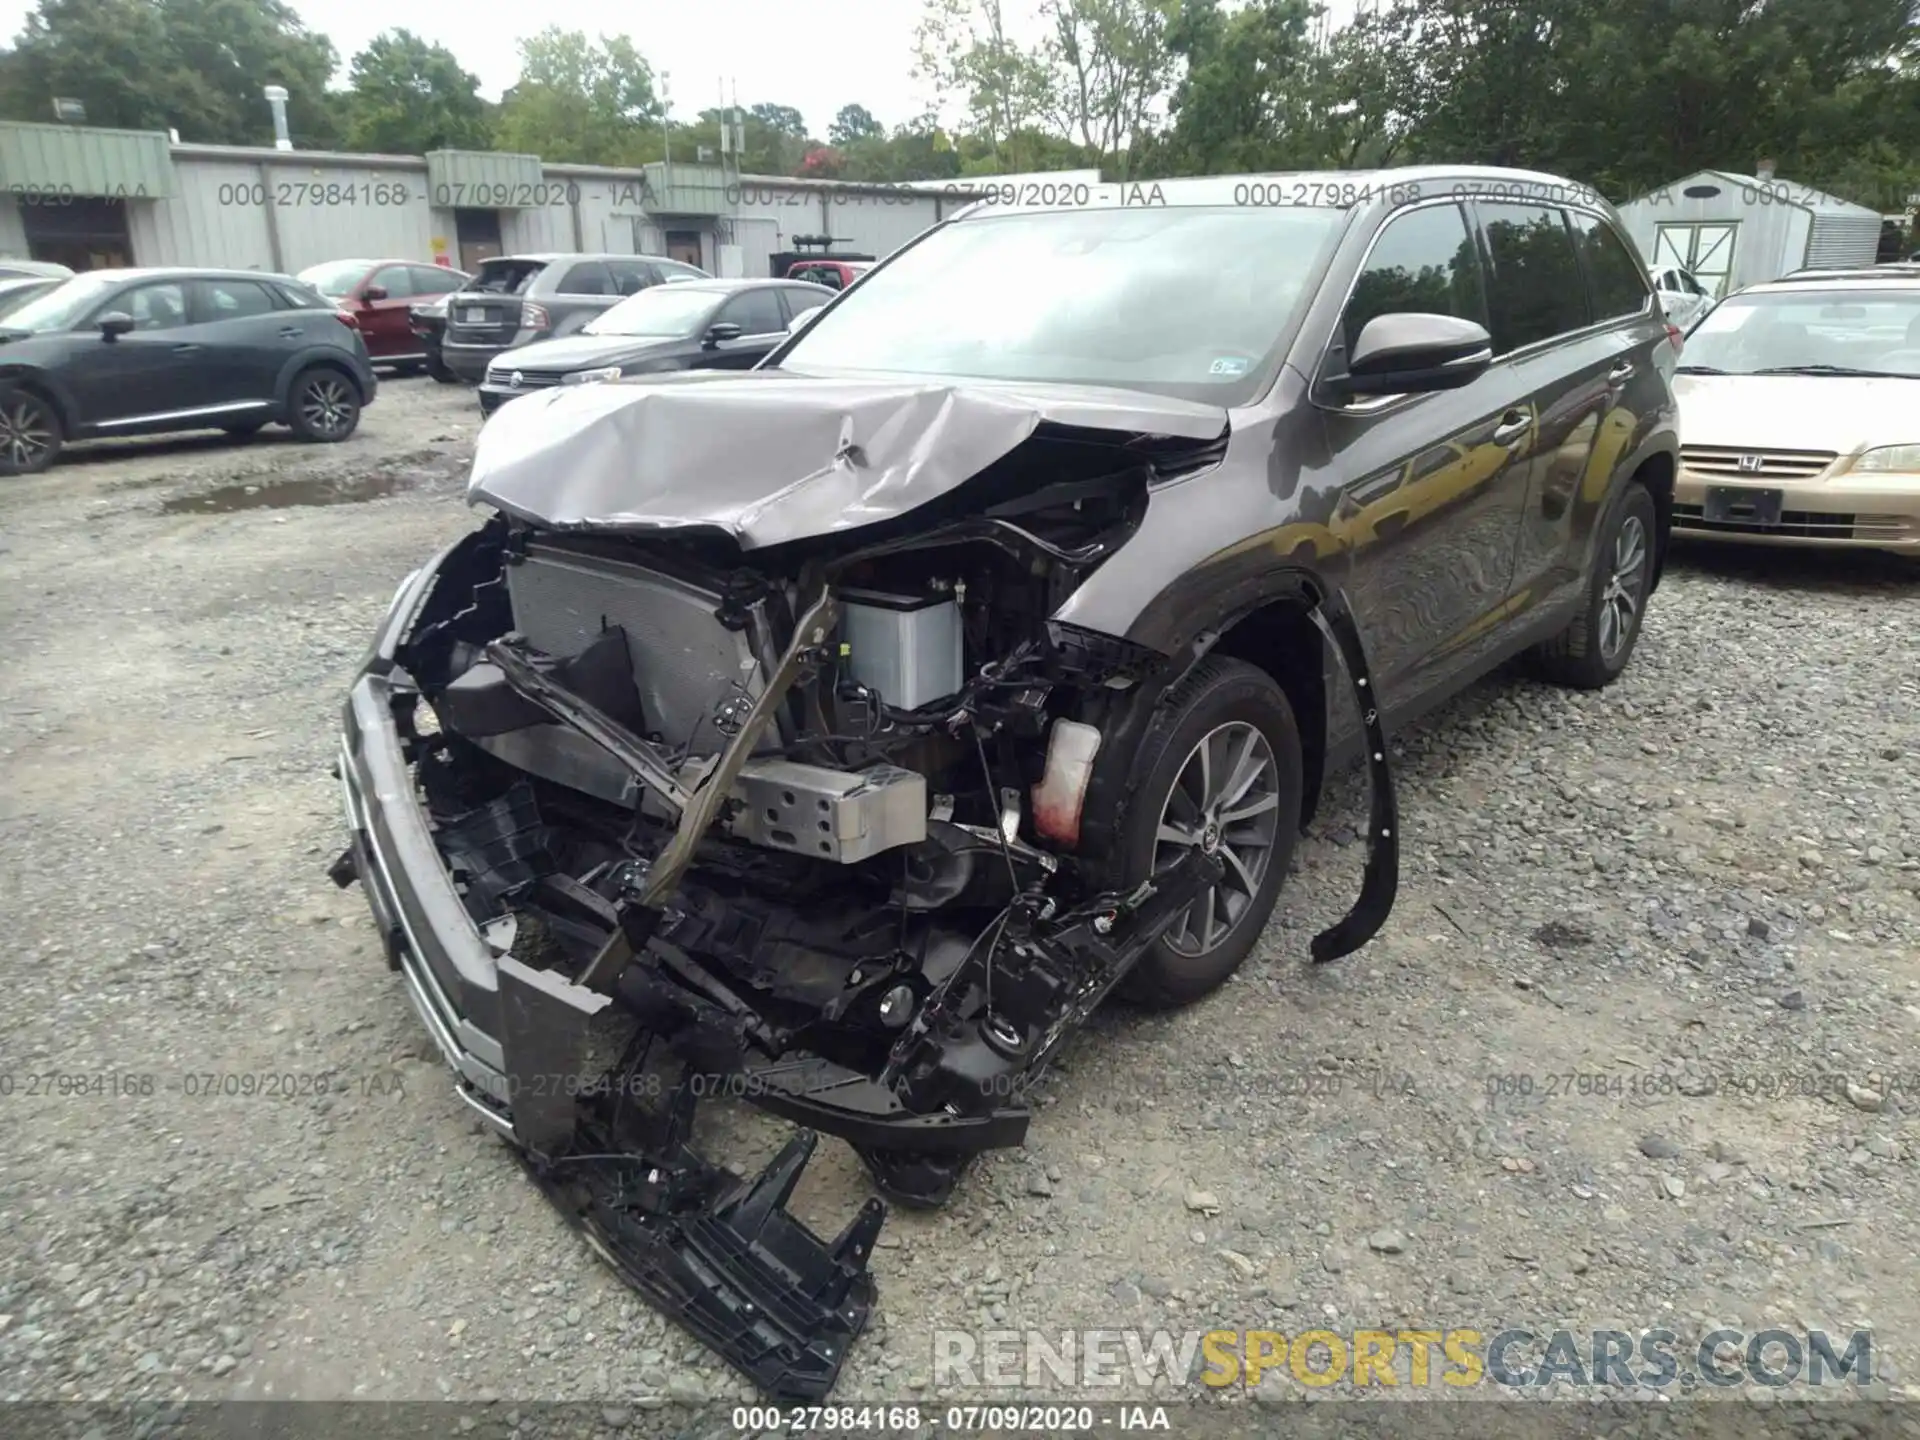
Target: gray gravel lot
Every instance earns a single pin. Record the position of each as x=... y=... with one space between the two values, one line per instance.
x=1699 y=891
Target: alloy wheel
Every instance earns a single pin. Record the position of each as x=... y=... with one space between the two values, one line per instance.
x=326 y=405
x=1620 y=600
x=26 y=433
x=1226 y=801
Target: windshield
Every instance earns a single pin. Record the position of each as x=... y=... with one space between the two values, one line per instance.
x=64 y=306
x=665 y=311
x=1187 y=301
x=16 y=293
x=1826 y=331
x=336 y=278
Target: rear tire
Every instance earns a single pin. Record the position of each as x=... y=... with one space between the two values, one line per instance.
x=437 y=368
x=323 y=406
x=30 y=432
x=1219 y=766
x=1593 y=650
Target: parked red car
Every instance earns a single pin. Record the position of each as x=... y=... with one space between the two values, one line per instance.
x=834 y=273
x=378 y=294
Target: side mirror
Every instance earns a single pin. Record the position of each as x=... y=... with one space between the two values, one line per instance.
x=114 y=324
x=374 y=292
x=1413 y=353
x=725 y=330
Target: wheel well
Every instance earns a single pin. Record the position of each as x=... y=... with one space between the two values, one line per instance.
x=1656 y=474
x=28 y=385
x=1281 y=639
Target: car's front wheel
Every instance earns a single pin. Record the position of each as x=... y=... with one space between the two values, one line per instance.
x=30 y=433
x=324 y=406
x=1219 y=770
x=1594 y=648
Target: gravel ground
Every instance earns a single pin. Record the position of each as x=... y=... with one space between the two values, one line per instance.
x=1702 y=886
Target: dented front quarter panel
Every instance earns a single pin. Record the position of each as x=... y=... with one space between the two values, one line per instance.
x=1218 y=543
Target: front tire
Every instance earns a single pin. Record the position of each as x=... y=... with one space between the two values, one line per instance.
x=1219 y=767
x=323 y=406
x=30 y=433
x=1593 y=650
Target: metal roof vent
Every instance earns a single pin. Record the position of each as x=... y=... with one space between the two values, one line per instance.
x=277 y=98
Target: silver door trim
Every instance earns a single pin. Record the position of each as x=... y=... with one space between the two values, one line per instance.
x=227 y=409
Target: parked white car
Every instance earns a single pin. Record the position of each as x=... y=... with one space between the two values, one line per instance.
x=1682 y=296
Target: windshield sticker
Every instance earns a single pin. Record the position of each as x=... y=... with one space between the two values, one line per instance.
x=1228 y=365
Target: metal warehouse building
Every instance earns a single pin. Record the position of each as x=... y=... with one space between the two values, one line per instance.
x=89 y=197
x=1733 y=230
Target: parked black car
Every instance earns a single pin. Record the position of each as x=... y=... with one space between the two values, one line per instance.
x=144 y=352
x=698 y=325
x=518 y=299
x=839 y=734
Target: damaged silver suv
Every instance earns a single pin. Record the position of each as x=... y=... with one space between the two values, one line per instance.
x=839 y=734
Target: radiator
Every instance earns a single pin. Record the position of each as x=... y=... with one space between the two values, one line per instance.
x=686 y=664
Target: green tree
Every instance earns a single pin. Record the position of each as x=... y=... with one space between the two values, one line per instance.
x=579 y=100
x=197 y=66
x=963 y=51
x=854 y=123
x=1110 y=66
x=408 y=97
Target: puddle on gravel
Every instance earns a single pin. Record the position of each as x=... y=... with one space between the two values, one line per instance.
x=289 y=494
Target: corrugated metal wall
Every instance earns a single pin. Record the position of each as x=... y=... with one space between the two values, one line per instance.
x=330 y=207
x=1839 y=239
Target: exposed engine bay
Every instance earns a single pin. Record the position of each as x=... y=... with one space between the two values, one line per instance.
x=806 y=824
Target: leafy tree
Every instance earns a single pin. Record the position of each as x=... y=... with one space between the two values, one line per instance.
x=963 y=50
x=1110 y=65
x=409 y=97
x=580 y=100
x=854 y=123
x=194 y=65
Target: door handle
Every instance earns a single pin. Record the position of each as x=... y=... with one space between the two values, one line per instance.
x=1511 y=427
x=289 y=332
x=186 y=349
x=1623 y=371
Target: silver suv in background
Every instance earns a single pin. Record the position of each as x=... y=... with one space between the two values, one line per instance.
x=515 y=300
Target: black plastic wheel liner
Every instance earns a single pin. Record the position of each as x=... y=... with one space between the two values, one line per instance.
x=1381 y=883
x=722 y=1255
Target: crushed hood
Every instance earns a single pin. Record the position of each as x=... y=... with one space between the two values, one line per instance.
x=768 y=456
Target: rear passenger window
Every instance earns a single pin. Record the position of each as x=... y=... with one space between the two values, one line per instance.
x=588 y=279
x=1536 y=291
x=1614 y=283
x=1423 y=261
x=630 y=277
x=231 y=300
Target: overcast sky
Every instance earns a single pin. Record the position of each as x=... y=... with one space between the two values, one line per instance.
x=815 y=56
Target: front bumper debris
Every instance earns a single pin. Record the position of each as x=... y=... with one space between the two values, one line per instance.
x=718 y=1252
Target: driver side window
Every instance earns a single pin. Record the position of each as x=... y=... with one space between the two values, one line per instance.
x=161 y=306
x=1423 y=261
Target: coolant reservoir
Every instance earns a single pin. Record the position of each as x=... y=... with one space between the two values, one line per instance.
x=1063 y=787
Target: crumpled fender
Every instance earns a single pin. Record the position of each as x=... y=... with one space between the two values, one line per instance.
x=769 y=457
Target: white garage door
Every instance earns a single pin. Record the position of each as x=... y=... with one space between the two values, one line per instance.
x=1706 y=250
